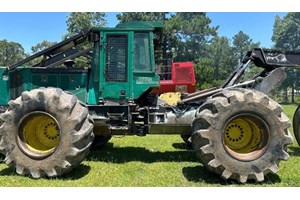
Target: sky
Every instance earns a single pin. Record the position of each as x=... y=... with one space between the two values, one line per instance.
x=30 y=28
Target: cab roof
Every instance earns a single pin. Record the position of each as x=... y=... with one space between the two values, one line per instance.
x=155 y=26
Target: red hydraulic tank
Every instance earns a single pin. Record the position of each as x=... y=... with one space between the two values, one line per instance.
x=180 y=78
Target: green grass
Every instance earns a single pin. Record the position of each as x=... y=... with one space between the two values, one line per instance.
x=151 y=161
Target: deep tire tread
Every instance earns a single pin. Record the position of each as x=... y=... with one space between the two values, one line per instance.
x=207 y=140
x=296 y=125
x=75 y=123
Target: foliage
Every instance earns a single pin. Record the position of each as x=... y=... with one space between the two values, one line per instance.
x=286 y=32
x=160 y=51
x=184 y=35
x=76 y=23
x=83 y=21
x=242 y=43
x=41 y=46
x=141 y=16
x=286 y=37
x=217 y=63
x=289 y=85
x=80 y=21
x=192 y=32
x=37 y=48
x=10 y=52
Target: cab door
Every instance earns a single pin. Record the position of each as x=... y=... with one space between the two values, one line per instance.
x=115 y=76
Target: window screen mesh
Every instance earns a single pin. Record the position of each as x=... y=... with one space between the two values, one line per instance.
x=116 y=58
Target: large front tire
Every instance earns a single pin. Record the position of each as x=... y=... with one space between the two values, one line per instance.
x=241 y=134
x=45 y=133
x=296 y=125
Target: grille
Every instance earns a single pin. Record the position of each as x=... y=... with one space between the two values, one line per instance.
x=183 y=75
x=116 y=58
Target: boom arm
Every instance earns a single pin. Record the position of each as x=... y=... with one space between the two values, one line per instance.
x=55 y=51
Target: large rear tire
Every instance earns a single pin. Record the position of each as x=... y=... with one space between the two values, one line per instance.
x=296 y=125
x=241 y=134
x=46 y=132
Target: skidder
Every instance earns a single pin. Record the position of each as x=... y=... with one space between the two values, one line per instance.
x=53 y=112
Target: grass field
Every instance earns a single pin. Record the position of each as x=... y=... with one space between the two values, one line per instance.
x=151 y=161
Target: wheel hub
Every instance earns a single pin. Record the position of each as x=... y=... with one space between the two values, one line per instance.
x=39 y=134
x=246 y=136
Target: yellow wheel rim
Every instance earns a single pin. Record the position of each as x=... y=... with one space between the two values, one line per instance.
x=246 y=136
x=39 y=134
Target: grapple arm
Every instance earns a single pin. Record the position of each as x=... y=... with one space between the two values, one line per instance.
x=273 y=62
x=271 y=59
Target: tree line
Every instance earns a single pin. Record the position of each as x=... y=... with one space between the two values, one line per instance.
x=187 y=37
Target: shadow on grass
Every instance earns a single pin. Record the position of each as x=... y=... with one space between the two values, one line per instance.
x=198 y=173
x=201 y=174
x=182 y=146
x=9 y=171
x=128 y=154
x=77 y=173
x=294 y=151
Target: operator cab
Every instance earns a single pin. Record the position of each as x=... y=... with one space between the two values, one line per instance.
x=123 y=66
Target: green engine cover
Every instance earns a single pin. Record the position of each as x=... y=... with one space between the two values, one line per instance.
x=26 y=79
x=4 y=88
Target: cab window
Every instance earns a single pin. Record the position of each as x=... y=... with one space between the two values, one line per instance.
x=142 y=60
